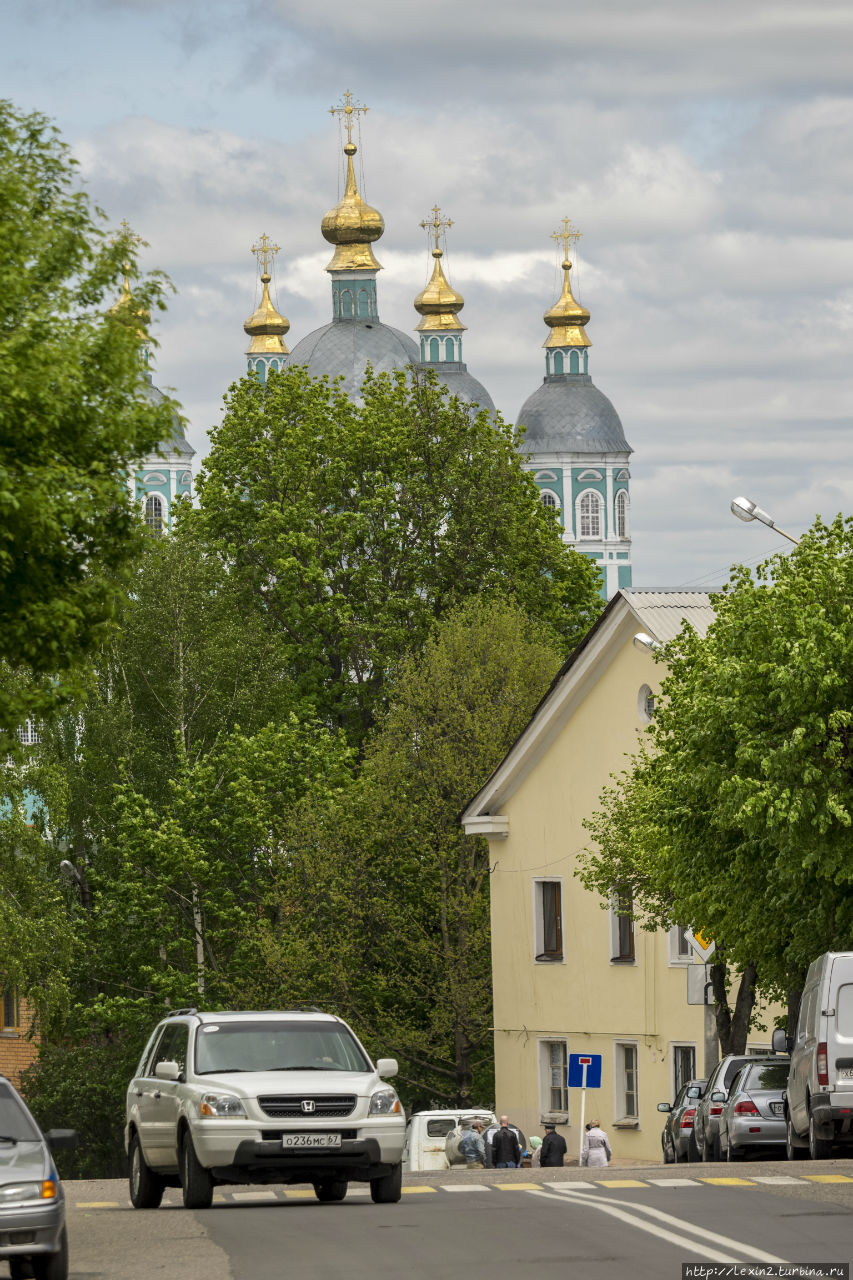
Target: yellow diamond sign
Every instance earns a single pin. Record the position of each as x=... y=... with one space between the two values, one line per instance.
x=702 y=943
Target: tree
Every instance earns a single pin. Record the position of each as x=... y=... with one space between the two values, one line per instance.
x=743 y=808
x=74 y=415
x=381 y=903
x=354 y=527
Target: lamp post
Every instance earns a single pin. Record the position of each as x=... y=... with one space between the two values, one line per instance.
x=746 y=511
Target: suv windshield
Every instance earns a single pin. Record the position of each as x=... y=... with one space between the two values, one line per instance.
x=15 y=1123
x=276 y=1046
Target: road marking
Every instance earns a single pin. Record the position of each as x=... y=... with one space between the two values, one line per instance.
x=358 y=1191
x=728 y=1182
x=97 y=1204
x=302 y=1194
x=673 y=1182
x=517 y=1186
x=780 y=1181
x=419 y=1191
x=623 y=1182
x=459 y=1186
x=264 y=1195
x=622 y=1211
x=827 y=1177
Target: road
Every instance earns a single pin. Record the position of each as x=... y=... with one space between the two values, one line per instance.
x=641 y=1222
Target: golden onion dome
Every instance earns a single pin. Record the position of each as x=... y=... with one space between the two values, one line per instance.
x=567 y=318
x=438 y=303
x=352 y=226
x=130 y=312
x=266 y=327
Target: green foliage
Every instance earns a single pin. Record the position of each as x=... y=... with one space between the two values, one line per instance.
x=738 y=818
x=381 y=906
x=75 y=412
x=354 y=527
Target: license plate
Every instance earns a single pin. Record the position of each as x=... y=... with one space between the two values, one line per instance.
x=777 y=1108
x=300 y=1141
x=844 y=1073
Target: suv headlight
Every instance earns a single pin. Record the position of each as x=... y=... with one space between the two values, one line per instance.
x=385 y=1102
x=221 y=1104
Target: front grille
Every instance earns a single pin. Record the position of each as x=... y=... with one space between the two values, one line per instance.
x=289 y=1107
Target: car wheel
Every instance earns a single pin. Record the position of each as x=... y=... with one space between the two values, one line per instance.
x=329 y=1192
x=668 y=1151
x=734 y=1153
x=795 y=1148
x=819 y=1148
x=52 y=1266
x=196 y=1181
x=388 y=1189
x=692 y=1150
x=146 y=1187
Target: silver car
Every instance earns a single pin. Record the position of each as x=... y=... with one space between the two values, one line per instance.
x=753 y=1115
x=257 y=1098
x=32 y=1204
x=677 y=1141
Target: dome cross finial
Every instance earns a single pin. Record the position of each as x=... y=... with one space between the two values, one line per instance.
x=347 y=108
x=265 y=251
x=566 y=233
x=436 y=226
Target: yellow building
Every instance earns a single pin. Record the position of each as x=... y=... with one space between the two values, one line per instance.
x=570 y=974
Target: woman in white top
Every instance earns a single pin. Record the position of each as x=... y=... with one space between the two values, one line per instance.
x=596 y=1148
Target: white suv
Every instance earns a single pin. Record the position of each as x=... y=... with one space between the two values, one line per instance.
x=260 y=1098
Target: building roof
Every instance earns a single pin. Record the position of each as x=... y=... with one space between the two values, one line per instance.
x=660 y=613
x=344 y=348
x=568 y=414
x=463 y=384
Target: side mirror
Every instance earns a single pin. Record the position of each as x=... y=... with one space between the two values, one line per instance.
x=664 y=1106
x=781 y=1042
x=61 y=1139
x=167 y=1071
x=386 y=1067
x=718 y=1096
x=694 y=1091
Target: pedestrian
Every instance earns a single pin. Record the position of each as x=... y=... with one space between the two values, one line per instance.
x=553 y=1149
x=471 y=1146
x=506 y=1150
x=596 y=1147
x=536 y=1151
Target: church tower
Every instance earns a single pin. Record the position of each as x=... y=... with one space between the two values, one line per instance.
x=441 y=329
x=266 y=327
x=356 y=336
x=165 y=474
x=574 y=443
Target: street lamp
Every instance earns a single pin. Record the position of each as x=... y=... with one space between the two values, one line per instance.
x=647 y=642
x=746 y=511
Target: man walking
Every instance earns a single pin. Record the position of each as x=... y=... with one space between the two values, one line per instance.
x=505 y=1149
x=553 y=1149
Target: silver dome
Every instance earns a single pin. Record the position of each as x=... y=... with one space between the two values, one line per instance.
x=344 y=349
x=461 y=383
x=567 y=414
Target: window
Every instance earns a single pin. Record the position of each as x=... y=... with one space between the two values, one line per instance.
x=554 y=1062
x=548 y=925
x=621 y=927
x=28 y=734
x=627 y=1109
x=558 y=362
x=154 y=512
x=645 y=704
x=621 y=521
x=589 y=507
x=679 y=948
x=574 y=362
x=11 y=1010
x=549 y=500
x=683 y=1065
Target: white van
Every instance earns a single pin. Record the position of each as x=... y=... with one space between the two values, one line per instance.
x=426 y=1135
x=819 y=1099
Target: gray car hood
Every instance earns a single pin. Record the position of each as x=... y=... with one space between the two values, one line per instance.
x=24 y=1162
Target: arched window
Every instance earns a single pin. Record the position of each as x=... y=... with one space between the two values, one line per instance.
x=589 y=509
x=433 y=350
x=621 y=521
x=346 y=304
x=449 y=349
x=549 y=500
x=154 y=513
x=558 y=362
x=363 y=304
x=574 y=363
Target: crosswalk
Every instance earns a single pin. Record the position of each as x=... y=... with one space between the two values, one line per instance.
x=260 y=1195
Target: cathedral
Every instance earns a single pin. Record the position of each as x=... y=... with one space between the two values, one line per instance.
x=572 y=442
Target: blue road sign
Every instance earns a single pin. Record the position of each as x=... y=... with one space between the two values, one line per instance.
x=584 y=1070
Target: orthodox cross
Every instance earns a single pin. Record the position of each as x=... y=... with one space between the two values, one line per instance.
x=567 y=233
x=438 y=224
x=348 y=110
x=265 y=251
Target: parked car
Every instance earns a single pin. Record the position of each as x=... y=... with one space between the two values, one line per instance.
x=426 y=1135
x=819 y=1096
x=753 y=1115
x=259 y=1098
x=707 y=1121
x=33 y=1238
x=677 y=1141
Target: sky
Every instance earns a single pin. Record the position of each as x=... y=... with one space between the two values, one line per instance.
x=704 y=151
